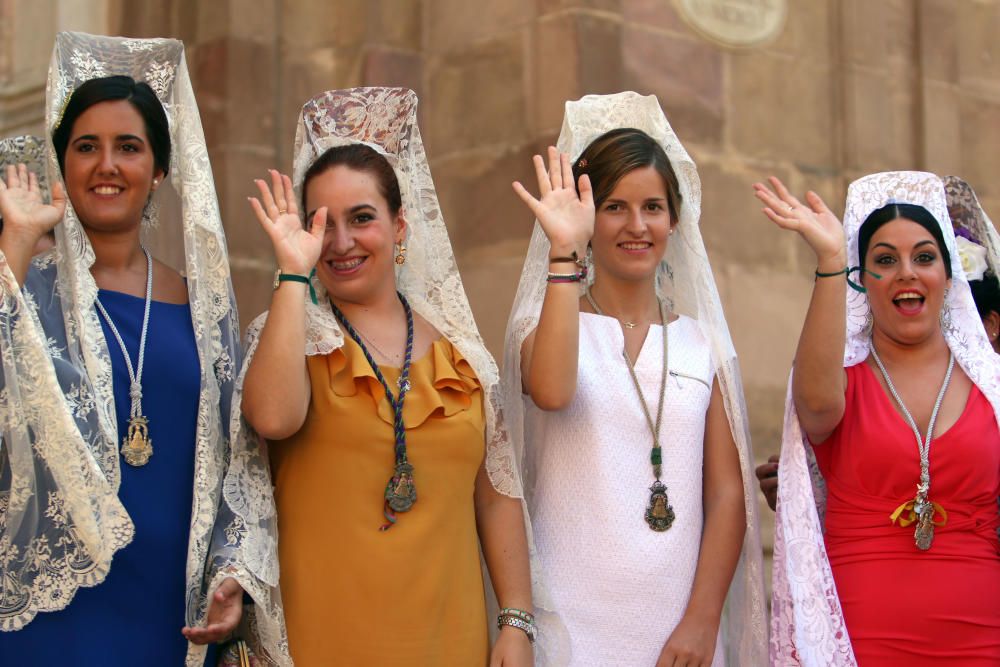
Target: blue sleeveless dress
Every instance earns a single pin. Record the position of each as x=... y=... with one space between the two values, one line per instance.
x=135 y=616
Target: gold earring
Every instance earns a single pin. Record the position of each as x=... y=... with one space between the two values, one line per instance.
x=401 y=254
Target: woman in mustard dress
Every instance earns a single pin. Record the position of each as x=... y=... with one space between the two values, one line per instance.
x=375 y=391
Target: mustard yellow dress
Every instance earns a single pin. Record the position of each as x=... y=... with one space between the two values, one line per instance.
x=411 y=595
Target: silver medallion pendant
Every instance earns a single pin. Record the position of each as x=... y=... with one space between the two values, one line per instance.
x=923 y=534
x=137 y=446
x=400 y=492
x=659 y=513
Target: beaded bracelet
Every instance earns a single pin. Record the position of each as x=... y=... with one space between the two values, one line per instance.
x=514 y=622
x=567 y=277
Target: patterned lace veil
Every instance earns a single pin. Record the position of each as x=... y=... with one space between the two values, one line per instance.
x=386 y=120
x=685 y=279
x=807 y=624
x=60 y=518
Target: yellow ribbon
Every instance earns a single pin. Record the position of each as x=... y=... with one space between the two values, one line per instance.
x=912 y=518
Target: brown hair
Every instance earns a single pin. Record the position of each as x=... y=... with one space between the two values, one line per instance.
x=614 y=154
x=360 y=158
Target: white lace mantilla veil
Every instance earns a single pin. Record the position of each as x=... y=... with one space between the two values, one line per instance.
x=807 y=623
x=60 y=518
x=685 y=279
x=386 y=120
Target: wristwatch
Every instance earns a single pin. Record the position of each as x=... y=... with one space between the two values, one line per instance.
x=280 y=277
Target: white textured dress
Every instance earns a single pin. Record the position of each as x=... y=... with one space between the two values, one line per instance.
x=620 y=588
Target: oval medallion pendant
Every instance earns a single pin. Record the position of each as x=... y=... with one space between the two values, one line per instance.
x=400 y=492
x=137 y=446
x=659 y=513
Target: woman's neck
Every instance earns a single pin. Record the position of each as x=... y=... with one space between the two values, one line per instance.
x=116 y=255
x=632 y=301
x=895 y=353
x=383 y=307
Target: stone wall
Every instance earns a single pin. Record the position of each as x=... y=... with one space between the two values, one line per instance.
x=848 y=87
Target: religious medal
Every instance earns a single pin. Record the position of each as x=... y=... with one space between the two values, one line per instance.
x=137 y=446
x=400 y=492
x=923 y=534
x=659 y=513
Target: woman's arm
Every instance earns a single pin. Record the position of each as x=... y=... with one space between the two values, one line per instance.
x=693 y=640
x=276 y=389
x=549 y=353
x=500 y=522
x=818 y=379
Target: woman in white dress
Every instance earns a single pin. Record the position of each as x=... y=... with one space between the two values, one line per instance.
x=625 y=396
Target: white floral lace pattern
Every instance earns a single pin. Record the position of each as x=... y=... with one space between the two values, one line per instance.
x=807 y=623
x=686 y=281
x=59 y=437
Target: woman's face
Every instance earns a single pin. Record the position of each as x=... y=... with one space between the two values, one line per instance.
x=109 y=166
x=632 y=227
x=906 y=302
x=357 y=260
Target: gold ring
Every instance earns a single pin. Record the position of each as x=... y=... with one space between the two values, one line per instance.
x=282 y=211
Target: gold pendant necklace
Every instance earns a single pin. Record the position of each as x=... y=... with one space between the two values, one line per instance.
x=659 y=513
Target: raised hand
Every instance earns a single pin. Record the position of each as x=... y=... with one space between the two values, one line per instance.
x=566 y=217
x=24 y=213
x=296 y=249
x=813 y=221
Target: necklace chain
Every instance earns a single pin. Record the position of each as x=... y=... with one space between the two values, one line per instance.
x=923 y=443
x=137 y=446
x=659 y=513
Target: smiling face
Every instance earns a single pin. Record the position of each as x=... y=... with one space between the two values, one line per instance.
x=109 y=167
x=906 y=302
x=632 y=226
x=357 y=261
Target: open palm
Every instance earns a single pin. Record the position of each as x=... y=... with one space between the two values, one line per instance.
x=296 y=249
x=567 y=218
x=814 y=221
x=21 y=204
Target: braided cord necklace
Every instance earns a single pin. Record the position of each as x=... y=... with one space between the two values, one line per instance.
x=659 y=512
x=921 y=509
x=137 y=446
x=400 y=490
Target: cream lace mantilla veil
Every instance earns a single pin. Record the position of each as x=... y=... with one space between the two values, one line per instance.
x=807 y=624
x=60 y=518
x=685 y=279
x=386 y=120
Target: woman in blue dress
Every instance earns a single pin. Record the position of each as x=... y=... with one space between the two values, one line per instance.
x=117 y=545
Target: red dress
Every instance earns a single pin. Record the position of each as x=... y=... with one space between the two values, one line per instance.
x=904 y=606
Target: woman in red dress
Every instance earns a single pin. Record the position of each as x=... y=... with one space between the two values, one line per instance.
x=904 y=430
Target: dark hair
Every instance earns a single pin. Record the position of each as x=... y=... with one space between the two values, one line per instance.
x=986 y=294
x=911 y=212
x=111 y=88
x=614 y=154
x=360 y=158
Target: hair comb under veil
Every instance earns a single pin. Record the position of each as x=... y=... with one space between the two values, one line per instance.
x=807 y=623
x=60 y=431
x=685 y=279
x=385 y=119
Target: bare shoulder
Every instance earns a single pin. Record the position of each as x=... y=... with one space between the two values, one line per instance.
x=168 y=285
